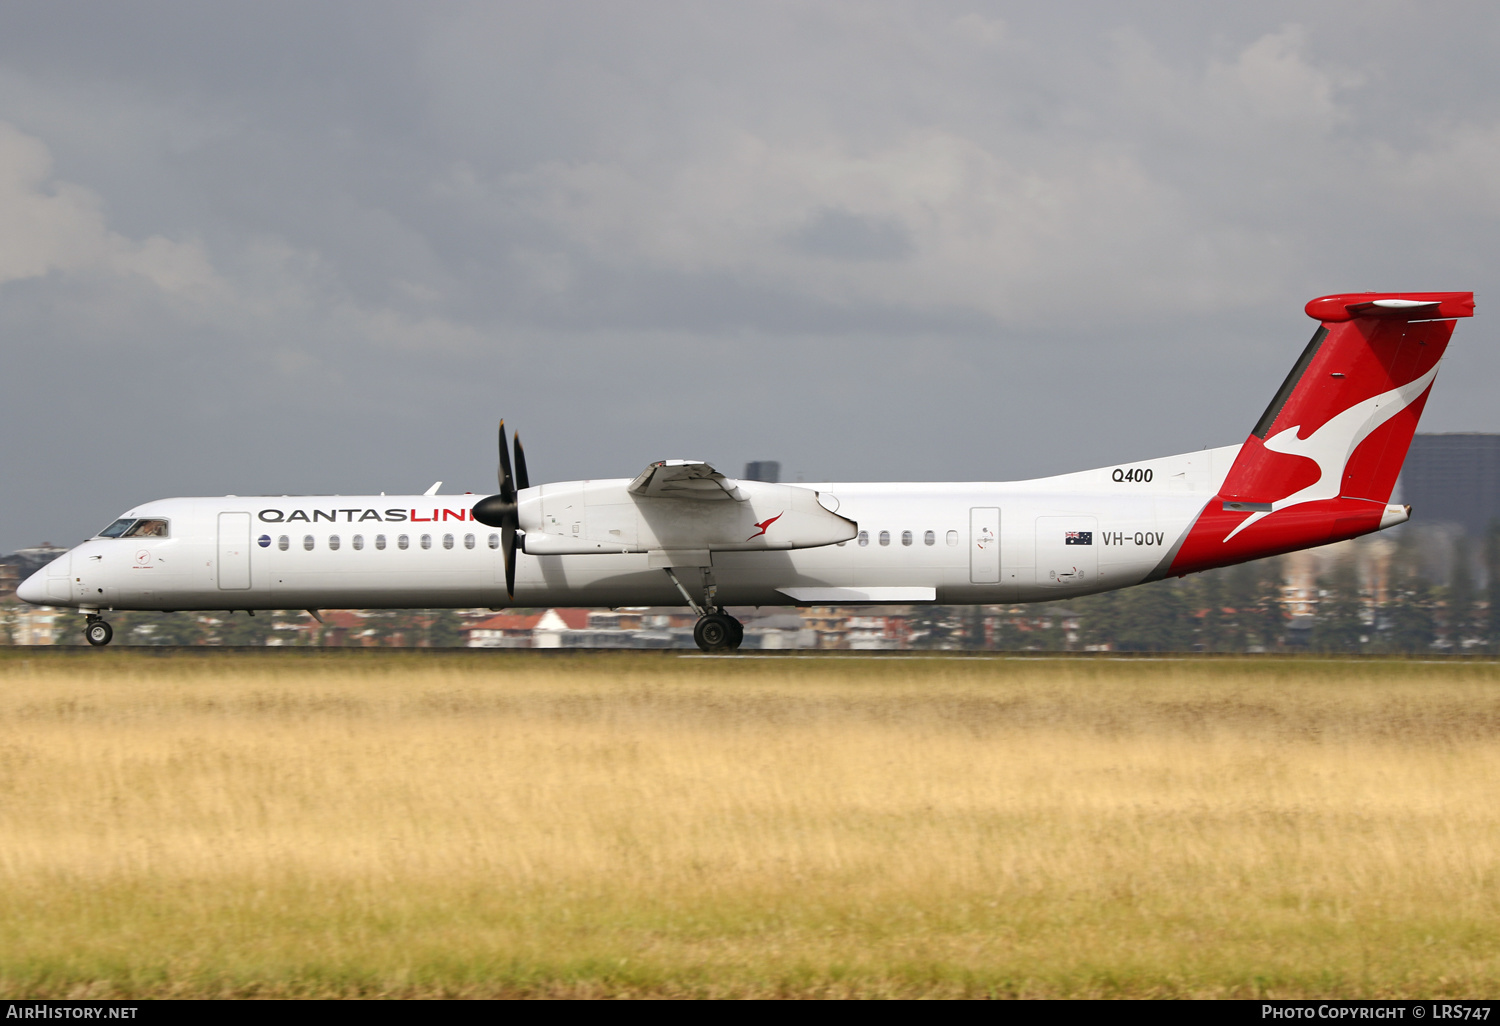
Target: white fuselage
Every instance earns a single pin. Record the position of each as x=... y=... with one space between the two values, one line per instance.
x=950 y=543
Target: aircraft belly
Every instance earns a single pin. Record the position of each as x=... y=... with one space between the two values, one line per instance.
x=414 y=588
x=158 y=591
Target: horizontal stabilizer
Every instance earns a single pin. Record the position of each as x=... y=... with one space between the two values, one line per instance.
x=1404 y=306
x=1409 y=309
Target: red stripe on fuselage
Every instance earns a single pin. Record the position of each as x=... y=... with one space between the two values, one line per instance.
x=1297 y=527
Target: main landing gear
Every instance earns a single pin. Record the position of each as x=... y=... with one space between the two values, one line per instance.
x=718 y=632
x=97 y=631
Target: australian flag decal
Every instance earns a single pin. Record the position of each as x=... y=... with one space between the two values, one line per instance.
x=1078 y=538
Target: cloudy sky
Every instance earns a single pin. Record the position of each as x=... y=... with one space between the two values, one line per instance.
x=285 y=247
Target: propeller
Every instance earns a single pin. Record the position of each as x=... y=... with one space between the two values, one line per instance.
x=501 y=510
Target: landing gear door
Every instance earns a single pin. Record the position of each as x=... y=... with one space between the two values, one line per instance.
x=234 y=551
x=984 y=545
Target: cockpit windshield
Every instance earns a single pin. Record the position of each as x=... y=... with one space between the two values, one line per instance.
x=129 y=527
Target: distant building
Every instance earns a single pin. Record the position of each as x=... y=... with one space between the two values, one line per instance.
x=29 y=561
x=1453 y=478
x=346 y=628
x=778 y=631
x=34 y=625
x=868 y=633
x=22 y=563
x=763 y=470
x=505 y=630
x=553 y=627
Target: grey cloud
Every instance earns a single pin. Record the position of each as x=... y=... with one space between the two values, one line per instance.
x=846 y=236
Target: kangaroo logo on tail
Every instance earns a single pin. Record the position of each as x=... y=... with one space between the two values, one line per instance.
x=1331 y=445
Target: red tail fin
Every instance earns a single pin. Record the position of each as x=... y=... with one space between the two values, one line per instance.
x=1323 y=459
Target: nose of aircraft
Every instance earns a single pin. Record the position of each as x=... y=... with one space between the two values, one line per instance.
x=34 y=589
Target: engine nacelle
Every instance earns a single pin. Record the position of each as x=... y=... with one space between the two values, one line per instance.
x=577 y=517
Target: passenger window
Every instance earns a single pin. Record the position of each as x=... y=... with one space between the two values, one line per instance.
x=864 y=537
x=147 y=529
x=402 y=541
x=447 y=541
x=307 y=542
x=885 y=537
x=116 y=529
x=494 y=541
x=952 y=537
x=905 y=537
x=380 y=541
x=426 y=541
x=468 y=541
x=283 y=543
x=358 y=541
x=333 y=542
x=264 y=541
x=929 y=538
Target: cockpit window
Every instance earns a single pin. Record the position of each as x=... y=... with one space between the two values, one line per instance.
x=117 y=528
x=147 y=529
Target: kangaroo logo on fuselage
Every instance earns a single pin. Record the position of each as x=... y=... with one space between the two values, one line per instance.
x=765 y=524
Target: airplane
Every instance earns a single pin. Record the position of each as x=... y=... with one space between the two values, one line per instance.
x=1318 y=467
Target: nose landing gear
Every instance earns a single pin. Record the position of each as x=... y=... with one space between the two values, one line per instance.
x=718 y=632
x=97 y=631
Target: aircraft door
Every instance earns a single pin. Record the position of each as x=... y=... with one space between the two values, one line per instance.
x=984 y=545
x=234 y=551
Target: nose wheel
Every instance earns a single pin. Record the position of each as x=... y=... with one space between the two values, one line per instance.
x=718 y=632
x=98 y=632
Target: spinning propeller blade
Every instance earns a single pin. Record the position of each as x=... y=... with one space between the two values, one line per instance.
x=522 y=481
x=500 y=510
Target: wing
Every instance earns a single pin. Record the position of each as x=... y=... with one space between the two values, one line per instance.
x=684 y=479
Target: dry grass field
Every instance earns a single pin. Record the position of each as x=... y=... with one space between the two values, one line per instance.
x=653 y=825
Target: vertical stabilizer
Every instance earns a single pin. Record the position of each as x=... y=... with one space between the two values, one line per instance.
x=1322 y=460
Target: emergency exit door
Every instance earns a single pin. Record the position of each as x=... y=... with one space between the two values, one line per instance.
x=234 y=551
x=984 y=545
